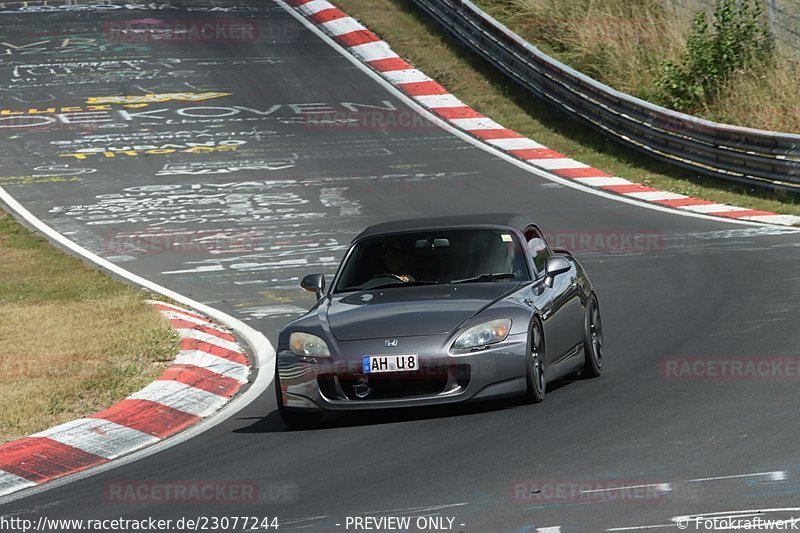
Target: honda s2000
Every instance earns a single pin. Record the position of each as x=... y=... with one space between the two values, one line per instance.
x=436 y=311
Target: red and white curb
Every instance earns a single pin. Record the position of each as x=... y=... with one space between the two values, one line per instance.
x=209 y=370
x=370 y=49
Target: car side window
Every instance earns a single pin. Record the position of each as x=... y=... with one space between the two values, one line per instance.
x=538 y=249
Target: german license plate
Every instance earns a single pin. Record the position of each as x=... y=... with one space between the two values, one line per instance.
x=375 y=364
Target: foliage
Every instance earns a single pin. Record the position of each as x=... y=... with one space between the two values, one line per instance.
x=738 y=42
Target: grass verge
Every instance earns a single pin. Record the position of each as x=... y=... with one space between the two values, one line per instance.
x=623 y=43
x=74 y=340
x=476 y=82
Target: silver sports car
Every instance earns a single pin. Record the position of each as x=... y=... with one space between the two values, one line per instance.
x=435 y=311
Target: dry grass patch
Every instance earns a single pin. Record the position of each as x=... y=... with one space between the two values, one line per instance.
x=416 y=38
x=608 y=40
x=623 y=43
x=74 y=339
x=770 y=99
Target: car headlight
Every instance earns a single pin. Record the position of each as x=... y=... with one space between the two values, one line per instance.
x=483 y=334
x=308 y=345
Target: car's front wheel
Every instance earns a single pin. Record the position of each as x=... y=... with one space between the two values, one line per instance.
x=592 y=340
x=293 y=418
x=535 y=365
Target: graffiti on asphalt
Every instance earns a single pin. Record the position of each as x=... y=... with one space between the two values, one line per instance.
x=65 y=6
x=168 y=116
x=223 y=167
x=153 y=149
x=153 y=98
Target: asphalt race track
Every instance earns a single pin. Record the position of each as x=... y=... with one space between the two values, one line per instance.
x=257 y=157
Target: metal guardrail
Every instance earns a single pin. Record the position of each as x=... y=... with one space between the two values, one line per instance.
x=755 y=157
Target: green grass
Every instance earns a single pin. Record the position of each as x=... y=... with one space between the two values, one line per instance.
x=74 y=339
x=476 y=82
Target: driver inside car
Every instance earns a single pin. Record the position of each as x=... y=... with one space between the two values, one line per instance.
x=397 y=261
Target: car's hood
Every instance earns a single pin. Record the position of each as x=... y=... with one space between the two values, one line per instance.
x=409 y=311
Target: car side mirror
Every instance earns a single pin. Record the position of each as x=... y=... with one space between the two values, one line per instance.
x=314 y=283
x=553 y=266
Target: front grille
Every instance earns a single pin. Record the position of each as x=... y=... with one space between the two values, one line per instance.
x=399 y=385
x=395 y=385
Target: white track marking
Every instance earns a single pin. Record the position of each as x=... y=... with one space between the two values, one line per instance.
x=209 y=268
x=99 y=437
x=212 y=363
x=483 y=123
x=170 y=315
x=373 y=51
x=407 y=76
x=175 y=308
x=652 y=196
x=774 y=219
x=209 y=338
x=712 y=208
x=435 y=101
x=182 y=397
x=604 y=181
x=557 y=163
x=516 y=143
x=12 y=483
x=315 y=6
x=635 y=528
x=417 y=509
x=661 y=487
x=776 y=475
x=343 y=25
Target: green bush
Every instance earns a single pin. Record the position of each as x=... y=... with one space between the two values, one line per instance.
x=740 y=40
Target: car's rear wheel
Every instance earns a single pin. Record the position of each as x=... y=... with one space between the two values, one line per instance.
x=535 y=365
x=291 y=417
x=593 y=340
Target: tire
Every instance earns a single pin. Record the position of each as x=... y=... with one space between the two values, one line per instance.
x=592 y=340
x=292 y=418
x=534 y=365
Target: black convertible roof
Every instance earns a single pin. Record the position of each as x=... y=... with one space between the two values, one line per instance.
x=511 y=220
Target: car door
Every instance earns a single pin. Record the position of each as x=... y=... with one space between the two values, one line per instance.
x=568 y=310
x=562 y=308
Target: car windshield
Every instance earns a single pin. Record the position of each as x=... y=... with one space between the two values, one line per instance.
x=434 y=257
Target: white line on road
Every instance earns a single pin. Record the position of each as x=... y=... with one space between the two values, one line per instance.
x=635 y=528
x=777 y=475
x=663 y=487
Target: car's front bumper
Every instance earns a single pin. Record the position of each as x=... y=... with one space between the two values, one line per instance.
x=328 y=384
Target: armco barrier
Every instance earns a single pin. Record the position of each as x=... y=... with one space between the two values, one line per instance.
x=755 y=157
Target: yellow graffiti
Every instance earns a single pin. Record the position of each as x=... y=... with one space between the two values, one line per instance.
x=157 y=151
x=152 y=98
x=71 y=109
x=24 y=180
